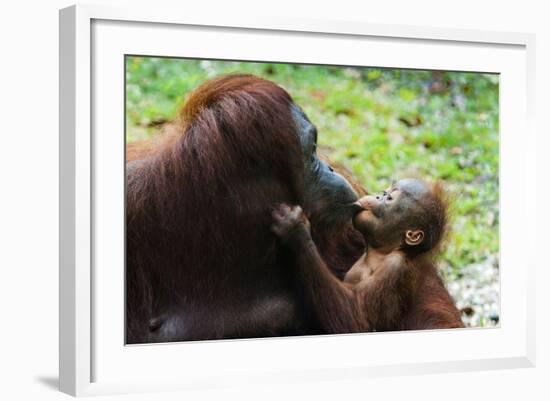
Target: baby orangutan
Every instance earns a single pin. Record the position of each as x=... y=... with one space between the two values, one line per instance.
x=391 y=287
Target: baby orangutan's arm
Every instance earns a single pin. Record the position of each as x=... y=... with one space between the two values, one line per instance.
x=339 y=307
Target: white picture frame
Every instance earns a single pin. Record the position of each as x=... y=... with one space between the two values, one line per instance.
x=93 y=357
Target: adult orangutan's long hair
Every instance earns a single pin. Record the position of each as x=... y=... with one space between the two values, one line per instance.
x=198 y=200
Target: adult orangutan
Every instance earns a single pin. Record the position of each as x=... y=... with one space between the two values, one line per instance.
x=201 y=260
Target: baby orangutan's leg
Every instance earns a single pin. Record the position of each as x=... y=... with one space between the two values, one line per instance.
x=338 y=306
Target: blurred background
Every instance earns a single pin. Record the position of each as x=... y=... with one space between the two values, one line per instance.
x=382 y=124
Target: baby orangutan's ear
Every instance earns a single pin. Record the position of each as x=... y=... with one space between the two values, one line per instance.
x=414 y=237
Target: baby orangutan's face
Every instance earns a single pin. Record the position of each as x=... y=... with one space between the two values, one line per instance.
x=387 y=219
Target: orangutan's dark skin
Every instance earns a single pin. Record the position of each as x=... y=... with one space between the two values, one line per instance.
x=391 y=287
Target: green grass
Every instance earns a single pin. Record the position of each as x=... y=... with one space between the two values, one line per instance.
x=382 y=124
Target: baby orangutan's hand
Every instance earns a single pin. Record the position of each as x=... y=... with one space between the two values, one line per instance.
x=289 y=221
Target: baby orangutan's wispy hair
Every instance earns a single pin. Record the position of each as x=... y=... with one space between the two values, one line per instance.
x=434 y=221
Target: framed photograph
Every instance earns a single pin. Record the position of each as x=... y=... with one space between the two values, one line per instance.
x=267 y=200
